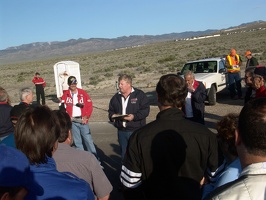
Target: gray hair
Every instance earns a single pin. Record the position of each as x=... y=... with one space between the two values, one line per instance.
x=24 y=92
x=189 y=73
x=126 y=78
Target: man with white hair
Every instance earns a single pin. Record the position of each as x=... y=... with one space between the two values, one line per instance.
x=26 y=99
x=194 y=107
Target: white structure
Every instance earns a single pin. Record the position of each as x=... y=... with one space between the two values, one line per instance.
x=62 y=70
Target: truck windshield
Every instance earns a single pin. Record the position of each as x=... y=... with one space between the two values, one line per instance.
x=201 y=67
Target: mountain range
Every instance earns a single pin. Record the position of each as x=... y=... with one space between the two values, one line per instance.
x=44 y=50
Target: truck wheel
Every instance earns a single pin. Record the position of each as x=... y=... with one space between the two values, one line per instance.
x=212 y=96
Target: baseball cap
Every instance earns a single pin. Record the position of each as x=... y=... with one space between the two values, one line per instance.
x=15 y=170
x=248 y=53
x=260 y=70
x=72 y=80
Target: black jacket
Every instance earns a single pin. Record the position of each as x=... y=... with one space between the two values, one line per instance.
x=167 y=158
x=6 y=126
x=197 y=102
x=138 y=105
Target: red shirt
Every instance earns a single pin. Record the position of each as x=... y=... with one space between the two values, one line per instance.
x=261 y=92
x=83 y=98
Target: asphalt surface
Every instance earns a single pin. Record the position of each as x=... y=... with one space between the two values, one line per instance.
x=105 y=138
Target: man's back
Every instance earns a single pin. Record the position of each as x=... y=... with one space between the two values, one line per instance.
x=58 y=185
x=173 y=154
x=84 y=165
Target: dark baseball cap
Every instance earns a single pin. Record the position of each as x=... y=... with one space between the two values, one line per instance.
x=260 y=70
x=15 y=170
x=72 y=80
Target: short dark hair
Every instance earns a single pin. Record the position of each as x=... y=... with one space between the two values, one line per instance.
x=65 y=124
x=171 y=90
x=36 y=133
x=252 y=126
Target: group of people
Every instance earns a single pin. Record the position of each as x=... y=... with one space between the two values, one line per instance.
x=233 y=64
x=174 y=157
x=53 y=143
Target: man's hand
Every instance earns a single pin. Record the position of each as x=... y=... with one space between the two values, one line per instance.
x=85 y=120
x=129 y=117
x=190 y=88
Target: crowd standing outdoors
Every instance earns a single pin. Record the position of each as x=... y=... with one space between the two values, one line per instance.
x=165 y=159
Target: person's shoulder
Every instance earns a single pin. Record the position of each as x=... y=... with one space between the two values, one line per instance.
x=77 y=154
x=198 y=129
x=137 y=90
x=223 y=191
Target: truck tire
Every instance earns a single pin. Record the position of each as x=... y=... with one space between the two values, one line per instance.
x=212 y=96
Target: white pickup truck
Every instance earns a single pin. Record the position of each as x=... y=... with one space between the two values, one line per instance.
x=211 y=72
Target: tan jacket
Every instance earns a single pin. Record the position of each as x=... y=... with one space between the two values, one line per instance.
x=251 y=184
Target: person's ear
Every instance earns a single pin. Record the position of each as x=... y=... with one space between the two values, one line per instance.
x=70 y=137
x=5 y=196
x=55 y=146
x=237 y=138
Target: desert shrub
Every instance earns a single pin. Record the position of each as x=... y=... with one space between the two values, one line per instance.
x=95 y=80
x=20 y=79
x=167 y=59
x=130 y=65
x=108 y=75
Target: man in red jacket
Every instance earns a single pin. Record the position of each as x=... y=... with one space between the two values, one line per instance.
x=40 y=85
x=78 y=105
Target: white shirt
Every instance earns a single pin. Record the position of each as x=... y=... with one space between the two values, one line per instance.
x=188 y=106
x=76 y=110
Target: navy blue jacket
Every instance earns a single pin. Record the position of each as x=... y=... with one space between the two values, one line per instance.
x=197 y=102
x=138 y=105
x=6 y=126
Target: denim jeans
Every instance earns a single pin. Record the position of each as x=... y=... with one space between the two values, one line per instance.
x=123 y=137
x=82 y=132
x=234 y=79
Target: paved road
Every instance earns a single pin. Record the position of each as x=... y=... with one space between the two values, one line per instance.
x=105 y=138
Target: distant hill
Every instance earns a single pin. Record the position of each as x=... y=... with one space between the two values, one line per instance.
x=44 y=50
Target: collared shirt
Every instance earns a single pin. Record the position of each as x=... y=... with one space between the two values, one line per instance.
x=76 y=110
x=124 y=104
x=57 y=185
x=188 y=107
x=85 y=166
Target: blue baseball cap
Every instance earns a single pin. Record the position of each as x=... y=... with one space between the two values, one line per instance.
x=15 y=171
